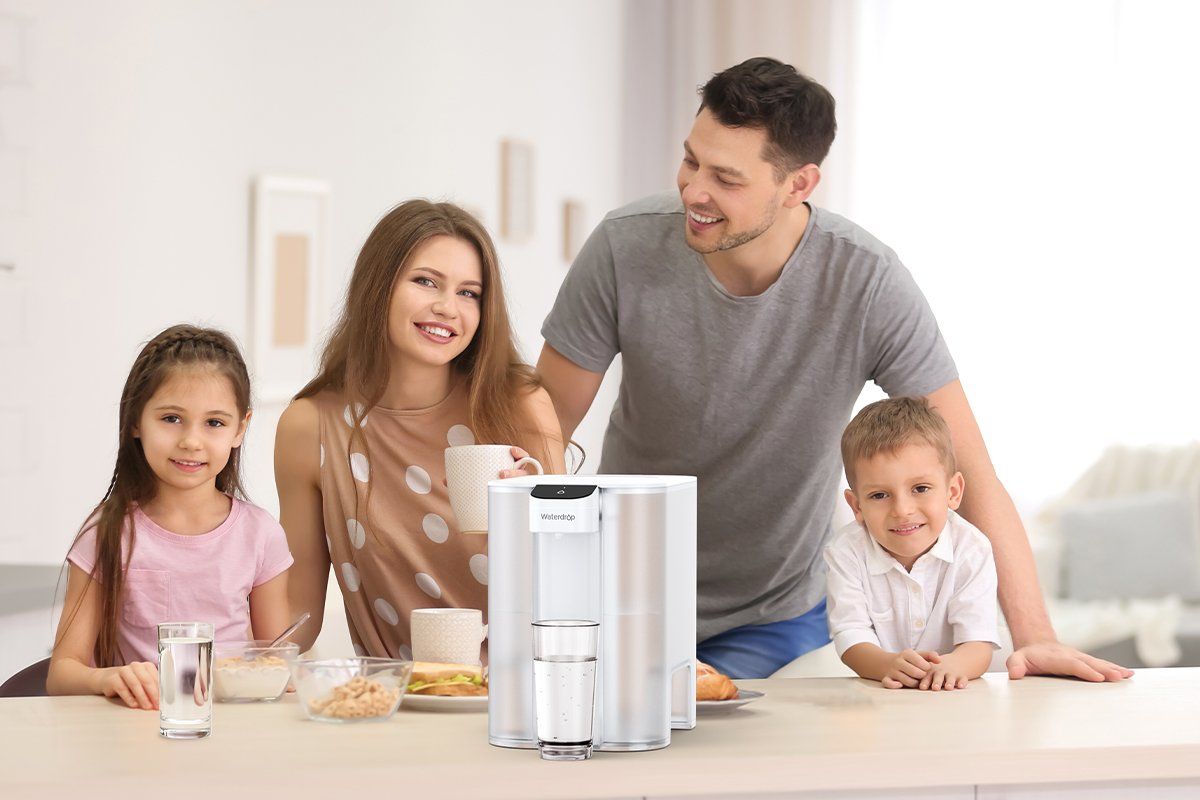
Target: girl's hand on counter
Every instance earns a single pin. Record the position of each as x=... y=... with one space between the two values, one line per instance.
x=909 y=668
x=136 y=683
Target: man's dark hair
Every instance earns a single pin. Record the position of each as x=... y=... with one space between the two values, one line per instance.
x=796 y=112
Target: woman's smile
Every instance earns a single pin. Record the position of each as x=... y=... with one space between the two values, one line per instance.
x=435 y=332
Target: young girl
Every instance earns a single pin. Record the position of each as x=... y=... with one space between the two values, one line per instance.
x=422 y=358
x=171 y=540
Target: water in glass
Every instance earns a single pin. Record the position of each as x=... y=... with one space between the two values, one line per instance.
x=185 y=686
x=564 y=687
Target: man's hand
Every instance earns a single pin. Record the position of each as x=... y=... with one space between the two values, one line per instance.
x=1052 y=658
x=909 y=668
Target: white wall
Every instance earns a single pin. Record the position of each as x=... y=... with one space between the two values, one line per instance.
x=1035 y=164
x=139 y=127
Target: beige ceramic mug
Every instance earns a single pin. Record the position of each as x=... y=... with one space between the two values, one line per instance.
x=468 y=469
x=447 y=635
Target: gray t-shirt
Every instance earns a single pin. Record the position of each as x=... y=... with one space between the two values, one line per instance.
x=749 y=394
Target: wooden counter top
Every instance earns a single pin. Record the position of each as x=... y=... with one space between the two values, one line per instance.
x=817 y=735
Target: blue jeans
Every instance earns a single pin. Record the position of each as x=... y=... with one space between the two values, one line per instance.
x=756 y=651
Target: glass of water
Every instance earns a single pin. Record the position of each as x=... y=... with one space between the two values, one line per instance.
x=564 y=685
x=185 y=679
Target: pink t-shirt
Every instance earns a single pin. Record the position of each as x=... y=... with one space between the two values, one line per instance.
x=203 y=578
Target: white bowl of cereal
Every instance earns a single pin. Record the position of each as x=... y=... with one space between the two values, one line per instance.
x=356 y=689
x=252 y=671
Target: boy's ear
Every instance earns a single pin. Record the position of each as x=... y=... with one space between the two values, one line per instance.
x=852 y=501
x=241 y=433
x=957 y=486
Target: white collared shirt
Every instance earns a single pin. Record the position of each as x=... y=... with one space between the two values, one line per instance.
x=948 y=598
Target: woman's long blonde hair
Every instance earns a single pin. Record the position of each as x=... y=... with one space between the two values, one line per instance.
x=355 y=361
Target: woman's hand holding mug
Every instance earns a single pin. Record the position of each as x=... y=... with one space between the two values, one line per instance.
x=523 y=460
x=468 y=470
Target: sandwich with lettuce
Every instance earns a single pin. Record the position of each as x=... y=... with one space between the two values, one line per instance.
x=447 y=680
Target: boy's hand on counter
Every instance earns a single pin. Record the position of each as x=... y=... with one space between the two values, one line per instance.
x=909 y=668
x=136 y=683
x=967 y=662
x=949 y=674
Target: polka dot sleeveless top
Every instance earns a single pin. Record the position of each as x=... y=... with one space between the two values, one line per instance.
x=404 y=550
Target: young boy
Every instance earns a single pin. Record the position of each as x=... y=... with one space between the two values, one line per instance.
x=912 y=585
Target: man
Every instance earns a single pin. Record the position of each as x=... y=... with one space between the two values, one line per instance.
x=749 y=322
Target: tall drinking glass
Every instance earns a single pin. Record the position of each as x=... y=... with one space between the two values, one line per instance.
x=185 y=679
x=564 y=685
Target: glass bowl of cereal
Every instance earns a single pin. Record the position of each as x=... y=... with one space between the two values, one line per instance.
x=251 y=671
x=359 y=689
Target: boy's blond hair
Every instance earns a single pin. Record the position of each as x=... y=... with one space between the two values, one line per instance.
x=887 y=425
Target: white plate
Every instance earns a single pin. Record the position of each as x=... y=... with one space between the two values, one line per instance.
x=712 y=707
x=428 y=702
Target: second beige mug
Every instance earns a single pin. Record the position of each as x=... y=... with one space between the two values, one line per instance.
x=447 y=635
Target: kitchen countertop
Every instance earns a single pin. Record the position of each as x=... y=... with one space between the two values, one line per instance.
x=815 y=734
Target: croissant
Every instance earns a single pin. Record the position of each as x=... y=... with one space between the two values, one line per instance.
x=712 y=685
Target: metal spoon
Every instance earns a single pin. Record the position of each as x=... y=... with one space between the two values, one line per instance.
x=290 y=630
x=281 y=637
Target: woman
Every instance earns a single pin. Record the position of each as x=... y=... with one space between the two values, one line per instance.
x=421 y=358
